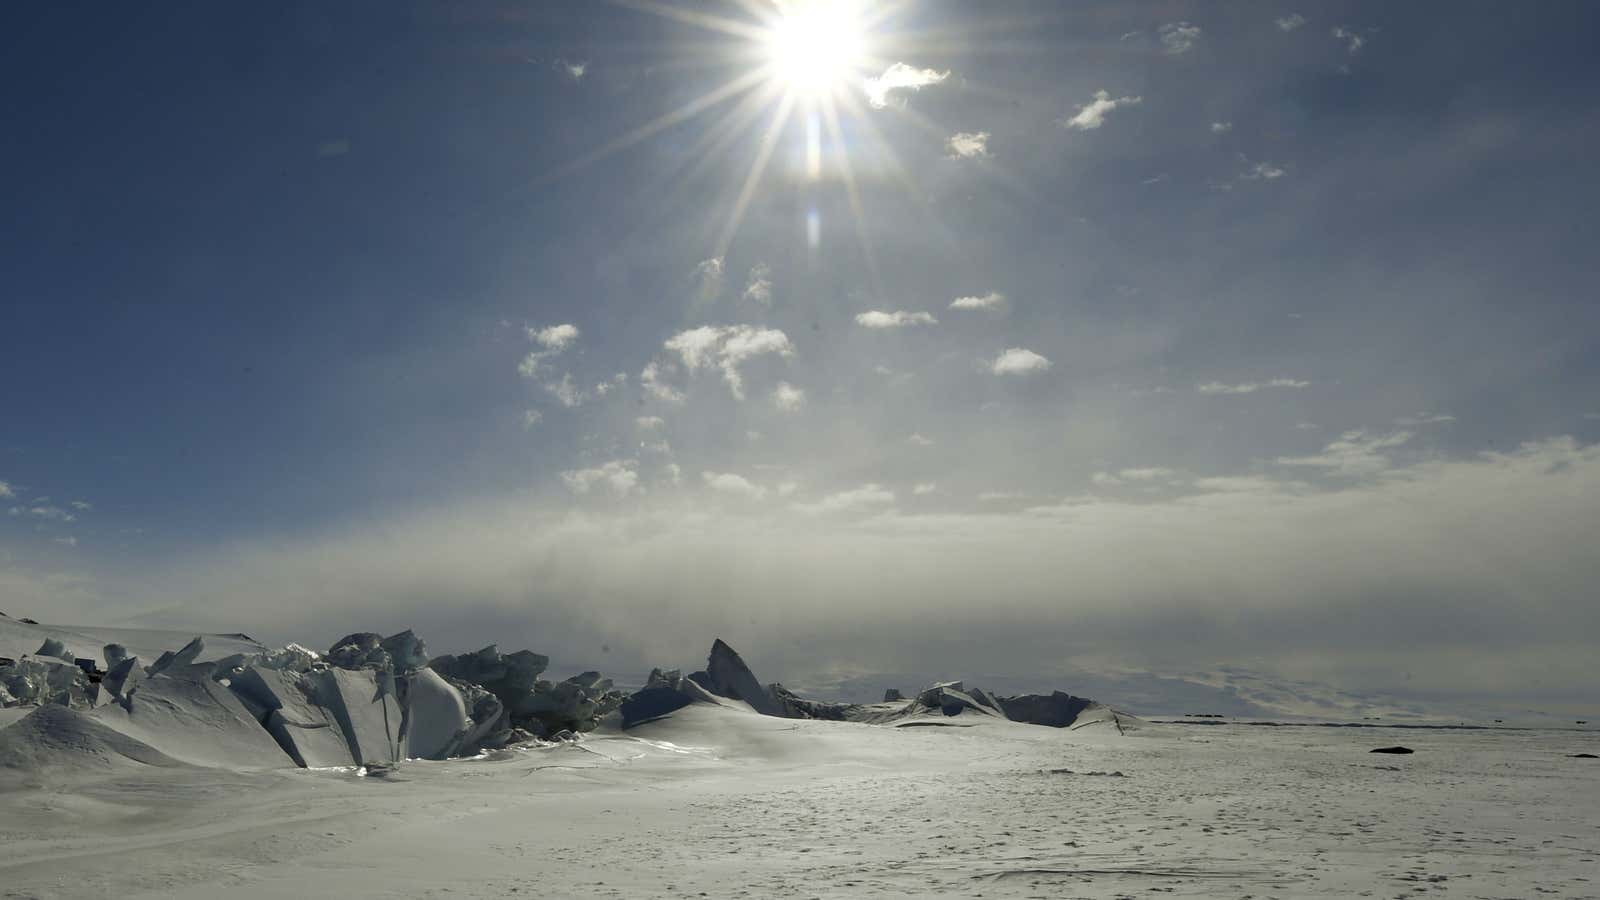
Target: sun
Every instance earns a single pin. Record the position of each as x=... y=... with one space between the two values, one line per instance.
x=817 y=48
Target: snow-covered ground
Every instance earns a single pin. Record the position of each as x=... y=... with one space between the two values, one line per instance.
x=713 y=801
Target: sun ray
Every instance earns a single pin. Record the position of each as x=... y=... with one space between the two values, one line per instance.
x=853 y=195
x=705 y=101
x=689 y=17
x=769 y=140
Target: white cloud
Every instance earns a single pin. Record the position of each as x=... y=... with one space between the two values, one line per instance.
x=81 y=505
x=1352 y=42
x=649 y=423
x=1221 y=127
x=736 y=485
x=1001 y=496
x=861 y=499
x=620 y=475
x=552 y=340
x=919 y=440
x=968 y=145
x=651 y=378
x=925 y=488
x=899 y=77
x=1105 y=479
x=898 y=319
x=1356 y=452
x=531 y=418
x=1291 y=21
x=6 y=490
x=1178 y=37
x=554 y=337
x=1249 y=387
x=994 y=300
x=787 y=488
x=758 y=287
x=1093 y=114
x=787 y=397
x=1018 y=361
x=672 y=473
x=727 y=347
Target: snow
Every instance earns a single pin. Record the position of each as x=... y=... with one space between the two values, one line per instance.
x=185 y=789
x=718 y=800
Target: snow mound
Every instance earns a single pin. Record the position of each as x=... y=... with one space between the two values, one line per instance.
x=59 y=739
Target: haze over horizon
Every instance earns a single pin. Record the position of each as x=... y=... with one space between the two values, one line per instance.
x=1106 y=336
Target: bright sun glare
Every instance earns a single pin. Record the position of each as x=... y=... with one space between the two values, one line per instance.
x=817 y=47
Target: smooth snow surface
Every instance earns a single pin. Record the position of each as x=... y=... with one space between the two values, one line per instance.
x=717 y=800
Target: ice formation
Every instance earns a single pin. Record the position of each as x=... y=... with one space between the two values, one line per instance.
x=373 y=701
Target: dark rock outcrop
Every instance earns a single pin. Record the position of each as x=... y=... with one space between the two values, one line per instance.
x=1397 y=750
x=726 y=675
x=1057 y=709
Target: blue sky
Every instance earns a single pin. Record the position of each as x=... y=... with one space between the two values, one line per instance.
x=1161 y=333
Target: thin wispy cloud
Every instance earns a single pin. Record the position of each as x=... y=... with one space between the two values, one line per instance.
x=867 y=498
x=1356 y=452
x=653 y=378
x=1263 y=171
x=552 y=341
x=572 y=70
x=566 y=391
x=1353 y=42
x=1249 y=387
x=45 y=512
x=1221 y=127
x=758 y=285
x=1425 y=419
x=1093 y=114
x=619 y=476
x=708 y=275
x=1178 y=37
x=733 y=485
x=1291 y=21
x=887 y=88
x=788 y=398
x=968 y=145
